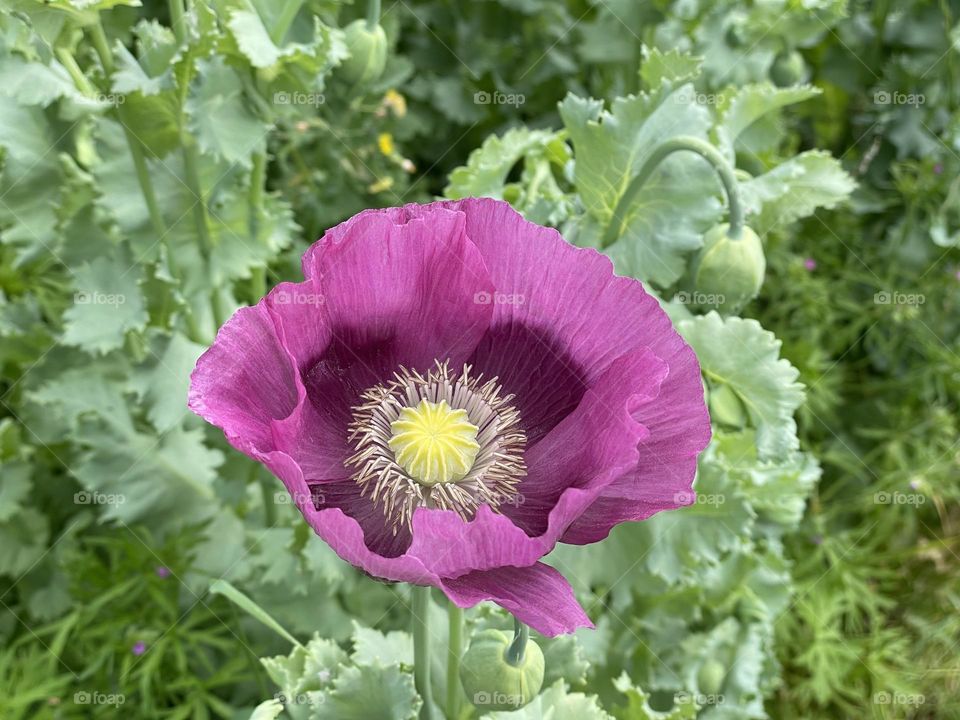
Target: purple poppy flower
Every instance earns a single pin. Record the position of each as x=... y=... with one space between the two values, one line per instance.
x=454 y=390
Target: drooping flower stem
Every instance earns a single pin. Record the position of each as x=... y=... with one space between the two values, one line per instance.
x=454 y=653
x=420 y=610
x=683 y=142
x=521 y=633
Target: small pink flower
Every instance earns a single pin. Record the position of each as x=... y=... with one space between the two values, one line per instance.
x=162 y=571
x=139 y=648
x=810 y=264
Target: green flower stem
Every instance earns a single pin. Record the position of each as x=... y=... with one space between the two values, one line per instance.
x=176 y=19
x=99 y=39
x=76 y=74
x=517 y=649
x=258 y=275
x=269 y=507
x=287 y=13
x=421 y=647
x=683 y=142
x=191 y=168
x=455 y=652
x=373 y=14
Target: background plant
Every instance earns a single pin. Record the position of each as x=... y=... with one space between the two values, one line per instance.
x=163 y=165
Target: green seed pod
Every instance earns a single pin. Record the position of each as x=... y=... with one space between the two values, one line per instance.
x=728 y=272
x=726 y=407
x=788 y=69
x=492 y=683
x=368 y=52
x=711 y=676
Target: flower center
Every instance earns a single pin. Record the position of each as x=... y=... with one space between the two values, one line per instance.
x=434 y=443
x=439 y=440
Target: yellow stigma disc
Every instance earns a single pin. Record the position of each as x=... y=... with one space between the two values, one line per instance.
x=434 y=443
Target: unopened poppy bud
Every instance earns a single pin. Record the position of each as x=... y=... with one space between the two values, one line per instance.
x=729 y=270
x=711 y=676
x=726 y=407
x=491 y=681
x=368 y=52
x=788 y=68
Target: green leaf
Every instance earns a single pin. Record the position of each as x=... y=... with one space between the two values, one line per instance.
x=672 y=67
x=33 y=83
x=268 y=710
x=556 y=703
x=778 y=488
x=746 y=357
x=563 y=660
x=373 y=647
x=15 y=486
x=219 y=117
x=30 y=185
x=370 y=691
x=488 y=166
x=308 y=668
x=795 y=189
x=23 y=540
x=752 y=102
x=222 y=587
x=106 y=306
x=163 y=379
x=638 y=708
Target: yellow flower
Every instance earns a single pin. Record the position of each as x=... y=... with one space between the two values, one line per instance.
x=396 y=102
x=385 y=143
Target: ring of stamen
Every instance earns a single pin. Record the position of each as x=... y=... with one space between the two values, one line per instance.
x=436 y=440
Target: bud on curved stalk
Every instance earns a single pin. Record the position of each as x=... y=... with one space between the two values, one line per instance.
x=726 y=407
x=500 y=673
x=729 y=269
x=725 y=172
x=788 y=68
x=367 y=43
